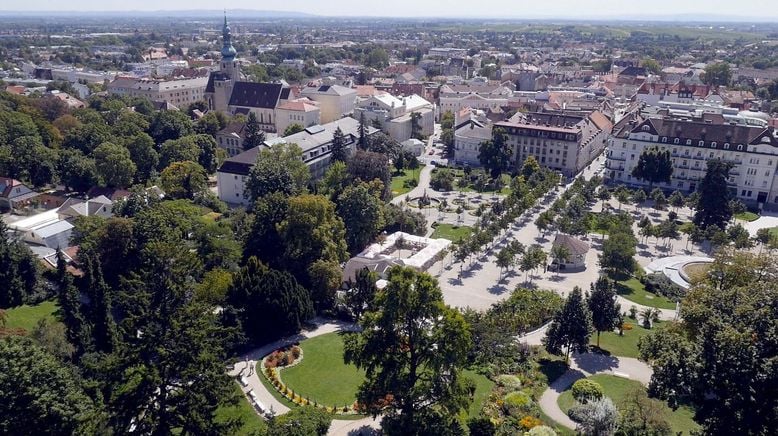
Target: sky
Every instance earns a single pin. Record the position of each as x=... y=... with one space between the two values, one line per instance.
x=429 y=8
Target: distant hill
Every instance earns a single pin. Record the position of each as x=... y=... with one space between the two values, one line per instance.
x=194 y=13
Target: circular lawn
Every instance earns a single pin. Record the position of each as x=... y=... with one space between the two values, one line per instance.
x=322 y=376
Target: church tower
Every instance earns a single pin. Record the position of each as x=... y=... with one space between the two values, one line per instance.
x=229 y=66
x=220 y=85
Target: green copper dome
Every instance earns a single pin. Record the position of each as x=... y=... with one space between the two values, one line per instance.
x=228 y=51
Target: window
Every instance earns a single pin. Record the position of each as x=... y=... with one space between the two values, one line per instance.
x=713 y=145
x=726 y=146
x=688 y=142
x=664 y=139
x=701 y=143
x=646 y=128
x=740 y=147
x=676 y=141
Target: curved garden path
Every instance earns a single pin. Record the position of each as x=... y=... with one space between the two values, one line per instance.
x=584 y=365
x=250 y=359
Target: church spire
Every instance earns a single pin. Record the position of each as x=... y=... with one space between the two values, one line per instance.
x=228 y=51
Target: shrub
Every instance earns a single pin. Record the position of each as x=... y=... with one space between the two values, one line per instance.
x=626 y=326
x=542 y=430
x=481 y=426
x=658 y=283
x=597 y=417
x=410 y=183
x=585 y=390
x=529 y=422
x=296 y=351
x=633 y=312
x=510 y=382
x=516 y=403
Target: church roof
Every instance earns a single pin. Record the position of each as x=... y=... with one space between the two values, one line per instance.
x=258 y=95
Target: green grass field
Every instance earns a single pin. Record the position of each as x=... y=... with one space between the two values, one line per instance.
x=451 y=232
x=322 y=376
x=483 y=387
x=627 y=345
x=399 y=178
x=252 y=423
x=634 y=291
x=27 y=316
x=747 y=216
x=616 y=388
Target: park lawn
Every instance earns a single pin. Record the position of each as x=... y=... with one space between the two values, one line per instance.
x=747 y=216
x=451 y=232
x=774 y=232
x=322 y=376
x=399 y=178
x=483 y=387
x=627 y=345
x=26 y=317
x=252 y=423
x=616 y=388
x=634 y=291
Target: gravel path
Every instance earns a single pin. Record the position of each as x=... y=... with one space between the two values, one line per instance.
x=584 y=365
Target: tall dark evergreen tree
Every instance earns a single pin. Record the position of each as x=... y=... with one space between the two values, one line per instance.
x=167 y=375
x=571 y=328
x=714 y=207
x=283 y=303
x=99 y=313
x=339 y=151
x=654 y=166
x=362 y=132
x=18 y=270
x=602 y=303
x=70 y=307
x=255 y=136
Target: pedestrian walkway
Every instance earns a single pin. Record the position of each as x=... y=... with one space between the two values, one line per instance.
x=245 y=370
x=585 y=365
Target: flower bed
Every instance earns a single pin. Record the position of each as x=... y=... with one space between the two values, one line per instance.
x=272 y=365
x=283 y=358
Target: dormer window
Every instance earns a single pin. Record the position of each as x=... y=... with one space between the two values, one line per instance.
x=701 y=143
x=713 y=145
x=688 y=142
x=664 y=139
x=676 y=141
x=726 y=146
x=740 y=147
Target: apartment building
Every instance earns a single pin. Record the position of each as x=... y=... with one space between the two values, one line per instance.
x=752 y=150
x=335 y=101
x=394 y=114
x=315 y=142
x=562 y=142
x=178 y=92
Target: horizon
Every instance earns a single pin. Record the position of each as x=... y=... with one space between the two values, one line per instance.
x=661 y=10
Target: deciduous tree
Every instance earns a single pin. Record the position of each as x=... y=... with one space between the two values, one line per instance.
x=412 y=348
x=654 y=166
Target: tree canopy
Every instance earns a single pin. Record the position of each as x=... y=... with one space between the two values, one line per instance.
x=719 y=357
x=412 y=347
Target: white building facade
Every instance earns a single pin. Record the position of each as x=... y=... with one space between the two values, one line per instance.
x=753 y=151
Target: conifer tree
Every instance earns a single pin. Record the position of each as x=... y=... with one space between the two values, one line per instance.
x=603 y=305
x=571 y=328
